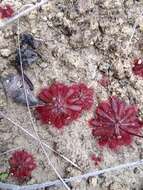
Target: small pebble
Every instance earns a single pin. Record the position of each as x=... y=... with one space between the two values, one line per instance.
x=5 y=52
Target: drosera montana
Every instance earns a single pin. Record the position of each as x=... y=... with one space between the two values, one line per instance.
x=115 y=123
x=21 y=164
x=63 y=104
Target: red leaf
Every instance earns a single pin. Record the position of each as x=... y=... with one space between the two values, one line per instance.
x=96 y=159
x=138 y=67
x=82 y=95
x=113 y=122
x=6 y=11
x=22 y=164
x=104 y=81
x=63 y=104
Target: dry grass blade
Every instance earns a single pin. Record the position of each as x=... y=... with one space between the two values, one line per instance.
x=35 y=138
x=30 y=115
x=11 y=150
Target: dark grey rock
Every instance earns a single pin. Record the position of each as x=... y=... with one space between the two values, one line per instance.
x=14 y=89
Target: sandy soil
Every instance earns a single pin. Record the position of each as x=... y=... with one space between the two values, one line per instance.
x=81 y=40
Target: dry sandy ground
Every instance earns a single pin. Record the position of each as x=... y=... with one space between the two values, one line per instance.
x=81 y=39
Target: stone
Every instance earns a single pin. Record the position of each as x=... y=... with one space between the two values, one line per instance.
x=85 y=5
x=93 y=181
x=5 y=52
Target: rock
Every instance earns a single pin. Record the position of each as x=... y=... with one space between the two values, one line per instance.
x=85 y=5
x=93 y=181
x=93 y=23
x=5 y=52
x=44 y=65
x=79 y=185
x=14 y=89
x=21 y=141
x=72 y=59
x=116 y=185
x=70 y=171
x=6 y=136
x=104 y=67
